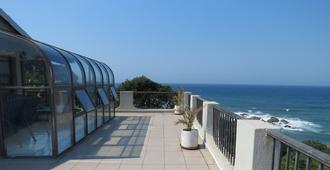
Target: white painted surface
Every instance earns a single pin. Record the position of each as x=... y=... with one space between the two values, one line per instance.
x=126 y=100
x=189 y=139
x=253 y=147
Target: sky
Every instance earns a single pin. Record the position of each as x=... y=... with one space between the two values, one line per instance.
x=272 y=42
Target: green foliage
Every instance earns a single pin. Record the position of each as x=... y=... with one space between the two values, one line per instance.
x=143 y=83
x=302 y=160
x=318 y=145
x=188 y=117
x=179 y=97
x=149 y=96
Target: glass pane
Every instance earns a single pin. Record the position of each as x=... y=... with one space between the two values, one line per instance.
x=103 y=96
x=111 y=78
x=106 y=113
x=27 y=122
x=97 y=71
x=60 y=70
x=5 y=71
x=99 y=115
x=89 y=73
x=79 y=124
x=114 y=93
x=91 y=118
x=76 y=70
x=85 y=101
x=90 y=91
x=104 y=73
x=63 y=109
x=30 y=69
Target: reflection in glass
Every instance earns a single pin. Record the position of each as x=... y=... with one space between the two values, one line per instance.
x=79 y=123
x=99 y=115
x=89 y=73
x=77 y=73
x=27 y=122
x=114 y=93
x=84 y=100
x=98 y=74
x=91 y=121
x=60 y=71
x=27 y=62
x=63 y=112
x=103 y=96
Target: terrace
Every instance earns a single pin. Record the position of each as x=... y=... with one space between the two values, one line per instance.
x=147 y=138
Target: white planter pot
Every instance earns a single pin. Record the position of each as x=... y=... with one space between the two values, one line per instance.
x=177 y=109
x=189 y=139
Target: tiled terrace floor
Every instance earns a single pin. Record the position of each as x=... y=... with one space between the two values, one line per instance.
x=131 y=141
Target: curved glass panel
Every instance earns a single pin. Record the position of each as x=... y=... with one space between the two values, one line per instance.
x=98 y=74
x=76 y=70
x=89 y=72
x=111 y=76
x=60 y=70
x=22 y=64
x=104 y=73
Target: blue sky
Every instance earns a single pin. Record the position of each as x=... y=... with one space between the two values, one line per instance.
x=276 y=42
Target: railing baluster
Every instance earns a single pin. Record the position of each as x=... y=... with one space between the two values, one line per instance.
x=320 y=166
x=296 y=160
x=308 y=163
x=288 y=155
x=276 y=162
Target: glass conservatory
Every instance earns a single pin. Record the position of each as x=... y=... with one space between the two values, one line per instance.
x=50 y=98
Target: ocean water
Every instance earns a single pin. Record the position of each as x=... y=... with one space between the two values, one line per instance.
x=307 y=109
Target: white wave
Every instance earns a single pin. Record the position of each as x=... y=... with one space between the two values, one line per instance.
x=294 y=124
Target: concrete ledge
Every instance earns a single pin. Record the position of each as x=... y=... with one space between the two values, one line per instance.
x=146 y=110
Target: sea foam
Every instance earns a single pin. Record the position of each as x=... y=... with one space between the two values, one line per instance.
x=294 y=124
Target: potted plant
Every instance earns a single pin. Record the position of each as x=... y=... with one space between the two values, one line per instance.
x=178 y=101
x=189 y=136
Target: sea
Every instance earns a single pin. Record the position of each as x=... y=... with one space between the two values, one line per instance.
x=306 y=109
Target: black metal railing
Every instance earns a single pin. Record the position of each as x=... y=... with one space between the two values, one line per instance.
x=199 y=116
x=224 y=132
x=154 y=100
x=291 y=154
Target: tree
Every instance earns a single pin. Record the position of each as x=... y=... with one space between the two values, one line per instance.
x=149 y=94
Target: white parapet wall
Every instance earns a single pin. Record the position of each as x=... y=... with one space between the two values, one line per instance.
x=187 y=99
x=126 y=100
x=127 y=104
x=199 y=127
x=254 y=149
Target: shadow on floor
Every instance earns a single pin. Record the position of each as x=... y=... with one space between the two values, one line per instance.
x=123 y=137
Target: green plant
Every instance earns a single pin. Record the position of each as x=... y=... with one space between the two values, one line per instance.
x=179 y=96
x=163 y=100
x=188 y=117
x=302 y=161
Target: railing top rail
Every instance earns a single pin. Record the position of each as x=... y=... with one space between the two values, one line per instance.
x=301 y=147
x=236 y=116
x=154 y=92
x=200 y=98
